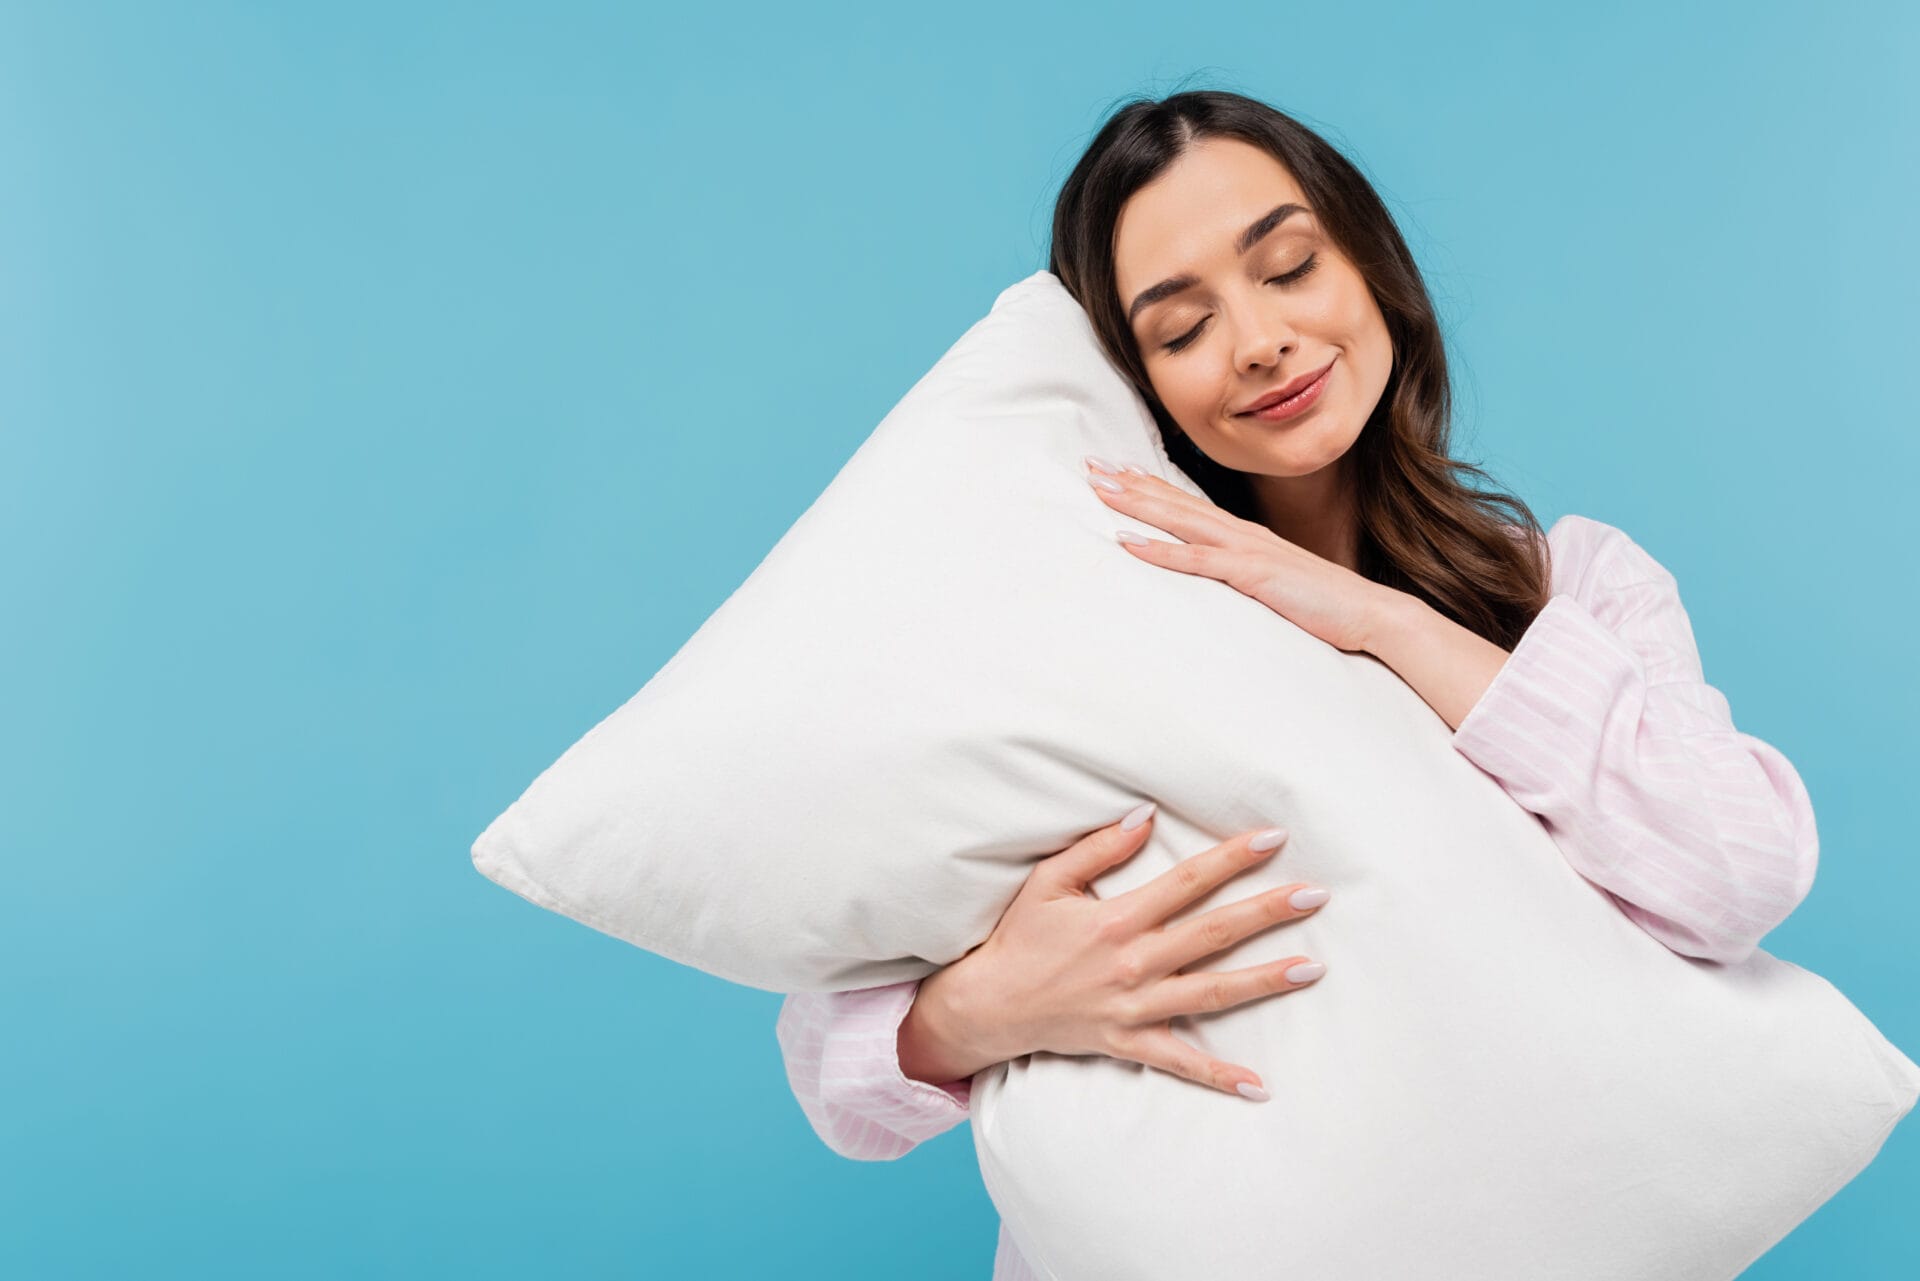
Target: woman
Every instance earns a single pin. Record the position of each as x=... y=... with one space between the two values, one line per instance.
x=1227 y=255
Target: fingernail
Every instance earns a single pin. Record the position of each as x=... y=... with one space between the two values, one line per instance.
x=1135 y=470
x=1253 y=1091
x=1268 y=839
x=1101 y=482
x=1305 y=972
x=1136 y=816
x=1311 y=897
x=1100 y=464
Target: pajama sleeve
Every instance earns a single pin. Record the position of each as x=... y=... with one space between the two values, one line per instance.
x=842 y=1055
x=1601 y=722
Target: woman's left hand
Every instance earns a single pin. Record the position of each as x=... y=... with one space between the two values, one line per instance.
x=1331 y=601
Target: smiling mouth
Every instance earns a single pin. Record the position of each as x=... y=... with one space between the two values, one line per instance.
x=1294 y=406
x=1305 y=393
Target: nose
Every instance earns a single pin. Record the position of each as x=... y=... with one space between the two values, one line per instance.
x=1264 y=336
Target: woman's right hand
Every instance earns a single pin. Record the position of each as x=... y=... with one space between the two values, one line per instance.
x=1069 y=973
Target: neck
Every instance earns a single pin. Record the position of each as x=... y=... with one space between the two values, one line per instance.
x=1314 y=512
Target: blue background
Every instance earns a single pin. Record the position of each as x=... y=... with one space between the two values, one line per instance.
x=387 y=391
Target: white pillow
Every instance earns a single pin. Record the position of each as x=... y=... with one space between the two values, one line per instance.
x=947 y=669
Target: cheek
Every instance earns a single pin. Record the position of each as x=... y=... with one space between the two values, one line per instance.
x=1192 y=394
x=1364 y=321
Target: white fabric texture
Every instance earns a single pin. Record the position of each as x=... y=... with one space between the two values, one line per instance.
x=946 y=669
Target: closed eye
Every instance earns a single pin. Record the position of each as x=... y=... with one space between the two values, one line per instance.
x=1304 y=269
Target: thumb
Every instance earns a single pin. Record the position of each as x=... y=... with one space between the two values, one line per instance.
x=1093 y=854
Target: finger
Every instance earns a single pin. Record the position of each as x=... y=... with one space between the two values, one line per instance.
x=1198 y=559
x=1159 y=1047
x=1196 y=877
x=1185 y=944
x=1147 y=482
x=1163 y=506
x=1203 y=993
x=1234 y=566
x=1099 y=851
x=1181 y=522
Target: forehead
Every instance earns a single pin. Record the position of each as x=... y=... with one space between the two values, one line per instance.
x=1192 y=212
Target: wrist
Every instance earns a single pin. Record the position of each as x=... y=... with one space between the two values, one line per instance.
x=936 y=1043
x=1393 y=612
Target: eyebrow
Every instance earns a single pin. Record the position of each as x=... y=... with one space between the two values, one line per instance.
x=1256 y=232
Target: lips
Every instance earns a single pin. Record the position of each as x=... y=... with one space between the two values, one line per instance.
x=1285 y=390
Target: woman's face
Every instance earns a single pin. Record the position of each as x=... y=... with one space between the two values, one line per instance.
x=1249 y=322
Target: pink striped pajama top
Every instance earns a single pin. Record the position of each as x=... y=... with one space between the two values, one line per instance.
x=1600 y=722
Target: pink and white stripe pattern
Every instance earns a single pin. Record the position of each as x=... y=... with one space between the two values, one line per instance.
x=1601 y=722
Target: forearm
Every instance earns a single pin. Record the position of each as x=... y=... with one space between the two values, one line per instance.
x=1445 y=663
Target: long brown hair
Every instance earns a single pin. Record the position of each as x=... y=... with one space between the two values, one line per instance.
x=1476 y=554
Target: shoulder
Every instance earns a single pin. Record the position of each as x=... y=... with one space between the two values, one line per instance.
x=1589 y=558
